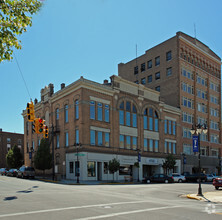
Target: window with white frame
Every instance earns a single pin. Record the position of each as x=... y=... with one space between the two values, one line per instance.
x=214 y=112
x=187 y=149
x=214 y=138
x=66 y=139
x=214 y=125
x=188 y=118
x=186 y=102
x=214 y=152
x=186 y=133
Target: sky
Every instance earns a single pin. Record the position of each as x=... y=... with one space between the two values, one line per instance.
x=89 y=38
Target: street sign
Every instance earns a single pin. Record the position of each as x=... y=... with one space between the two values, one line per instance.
x=79 y=154
x=195 y=144
x=139 y=157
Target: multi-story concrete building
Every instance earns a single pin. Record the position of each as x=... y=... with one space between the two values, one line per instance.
x=7 y=141
x=188 y=75
x=118 y=120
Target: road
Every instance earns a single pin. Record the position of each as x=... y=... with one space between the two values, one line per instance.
x=33 y=199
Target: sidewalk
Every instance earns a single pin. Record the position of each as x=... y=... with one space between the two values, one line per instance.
x=215 y=196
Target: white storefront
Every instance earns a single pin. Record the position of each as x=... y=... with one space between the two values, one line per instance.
x=94 y=166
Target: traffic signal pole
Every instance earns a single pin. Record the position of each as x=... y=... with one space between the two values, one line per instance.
x=53 y=166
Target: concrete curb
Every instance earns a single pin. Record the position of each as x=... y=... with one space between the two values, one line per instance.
x=189 y=196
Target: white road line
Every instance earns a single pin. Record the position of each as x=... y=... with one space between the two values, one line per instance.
x=127 y=213
x=69 y=208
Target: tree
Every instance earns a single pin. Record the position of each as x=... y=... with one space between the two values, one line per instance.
x=14 y=20
x=114 y=166
x=169 y=163
x=43 y=157
x=14 y=158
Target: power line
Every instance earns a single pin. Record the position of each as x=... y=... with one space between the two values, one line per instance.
x=22 y=76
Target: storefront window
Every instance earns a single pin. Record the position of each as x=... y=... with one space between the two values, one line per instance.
x=125 y=170
x=91 y=167
x=70 y=167
x=106 y=168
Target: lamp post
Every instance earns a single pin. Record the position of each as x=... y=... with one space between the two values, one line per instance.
x=139 y=159
x=198 y=129
x=77 y=145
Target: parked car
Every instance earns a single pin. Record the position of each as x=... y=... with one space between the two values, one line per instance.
x=211 y=177
x=3 y=171
x=26 y=172
x=12 y=172
x=194 y=177
x=217 y=182
x=158 y=178
x=178 y=178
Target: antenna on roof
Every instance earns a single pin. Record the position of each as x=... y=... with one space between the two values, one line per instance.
x=195 y=32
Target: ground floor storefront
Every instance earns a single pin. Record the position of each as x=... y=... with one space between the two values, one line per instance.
x=94 y=166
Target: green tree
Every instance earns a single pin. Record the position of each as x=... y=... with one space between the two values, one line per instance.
x=114 y=166
x=43 y=156
x=14 y=158
x=14 y=20
x=169 y=163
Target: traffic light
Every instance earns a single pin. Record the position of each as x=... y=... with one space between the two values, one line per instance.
x=41 y=125
x=46 y=132
x=30 y=111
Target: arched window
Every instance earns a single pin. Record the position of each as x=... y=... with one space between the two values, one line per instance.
x=150 y=120
x=66 y=113
x=128 y=114
x=57 y=114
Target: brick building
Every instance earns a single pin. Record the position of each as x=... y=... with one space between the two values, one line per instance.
x=7 y=141
x=188 y=75
x=117 y=119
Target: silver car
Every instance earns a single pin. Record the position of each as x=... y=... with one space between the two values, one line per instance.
x=178 y=178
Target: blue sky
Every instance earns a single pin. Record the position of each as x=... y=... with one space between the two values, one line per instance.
x=74 y=38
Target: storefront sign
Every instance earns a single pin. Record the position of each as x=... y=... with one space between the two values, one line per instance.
x=152 y=161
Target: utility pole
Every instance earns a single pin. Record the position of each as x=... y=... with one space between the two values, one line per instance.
x=53 y=165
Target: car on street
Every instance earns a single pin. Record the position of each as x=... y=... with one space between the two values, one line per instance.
x=211 y=177
x=3 y=171
x=158 y=178
x=12 y=172
x=26 y=172
x=178 y=178
x=217 y=182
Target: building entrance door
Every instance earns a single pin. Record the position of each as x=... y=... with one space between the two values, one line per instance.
x=99 y=171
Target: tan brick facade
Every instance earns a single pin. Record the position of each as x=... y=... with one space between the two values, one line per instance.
x=106 y=145
x=194 y=86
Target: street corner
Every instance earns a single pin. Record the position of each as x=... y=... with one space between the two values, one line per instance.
x=195 y=197
x=215 y=197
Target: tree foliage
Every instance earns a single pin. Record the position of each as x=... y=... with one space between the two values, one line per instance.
x=169 y=163
x=114 y=166
x=14 y=158
x=43 y=156
x=15 y=17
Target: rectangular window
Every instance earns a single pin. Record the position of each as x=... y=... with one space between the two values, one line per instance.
x=169 y=148
x=99 y=112
x=156 y=121
x=157 y=88
x=168 y=56
x=77 y=136
x=165 y=126
x=169 y=71
x=121 y=141
x=128 y=142
x=107 y=139
x=151 y=145
x=128 y=119
x=100 y=138
x=92 y=110
x=149 y=78
x=149 y=64
x=174 y=148
x=33 y=145
x=136 y=70
x=134 y=143
x=92 y=137
x=156 y=146
x=66 y=113
x=91 y=168
x=67 y=139
x=106 y=113
x=71 y=166
x=57 y=141
x=150 y=124
x=57 y=114
x=174 y=128
x=165 y=147
x=157 y=61
x=145 y=125
x=143 y=67
x=145 y=145
x=143 y=81
x=121 y=117
x=157 y=76
x=134 y=120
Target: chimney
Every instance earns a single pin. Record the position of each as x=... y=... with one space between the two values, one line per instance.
x=63 y=85
x=35 y=101
x=105 y=81
x=51 y=89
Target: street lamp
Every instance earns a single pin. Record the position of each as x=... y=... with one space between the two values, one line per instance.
x=198 y=129
x=138 y=159
x=77 y=145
